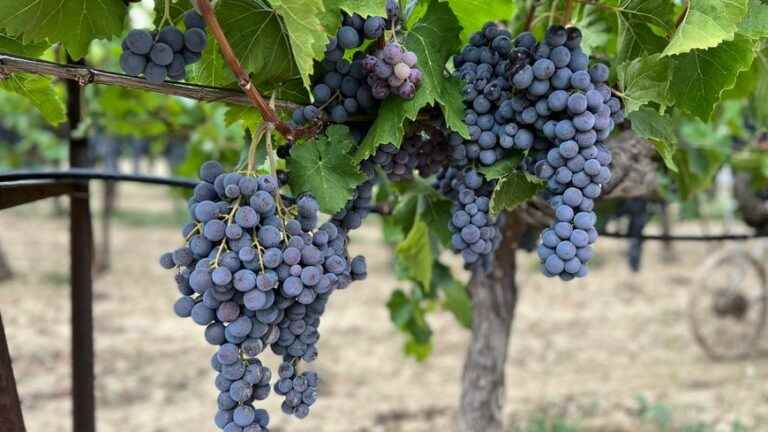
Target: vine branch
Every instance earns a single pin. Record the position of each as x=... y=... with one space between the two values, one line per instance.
x=10 y=63
x=530 y=15
x=244 y=80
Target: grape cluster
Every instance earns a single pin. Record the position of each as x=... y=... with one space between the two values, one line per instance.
x=340 y=88
x=569 y=103
x=392 y=70
x=256 y=274
x=485 y=65
x=425 y=151
x=475 y=234
x=164 y=54
x=299 y=390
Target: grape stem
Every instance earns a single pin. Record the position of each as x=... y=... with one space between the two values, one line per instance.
x=567 y=12
x=530 y=15
x=244 y=80
x=227 y=218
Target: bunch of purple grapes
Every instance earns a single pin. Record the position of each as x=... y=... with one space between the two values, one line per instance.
x=485 y=65
x=257 y=275
x=570 y=104
x=392 y=70
x=475 y=232
x=299 y=389
x=164 y=54
x=339 y=87
x=424 y=150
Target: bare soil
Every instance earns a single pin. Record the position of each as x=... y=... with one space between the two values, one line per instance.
x=612 y=352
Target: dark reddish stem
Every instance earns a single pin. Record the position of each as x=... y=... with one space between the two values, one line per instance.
x=244 y=80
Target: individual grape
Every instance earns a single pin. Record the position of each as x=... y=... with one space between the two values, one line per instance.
x=192 y=19
x=348 y=37
x=173 y=37
x=374 y=27
x=139 y=42
x=183 y=307
x=556 y=36
x=155 y=73
x=161 y=54
x=195 y=40
x=132 y=64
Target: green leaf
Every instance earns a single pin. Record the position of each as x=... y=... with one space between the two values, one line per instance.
x=706 y=24
x=501 y=168
x=434 y=39
x=251 y=117
x=636 y=37
x=419 y=350
x=755 y=22
x=513 y=190
x=457 y=299
x=400 y=308
x=323 y=167
x=257 y=36
x=306 y=32
x=473 y=14
x=13 y=45
x=660 y=130
x=761 y=93
x=746 y=82
x=211 y=69
x=415 y=254
x=74 y=23
x=701 y=76
x=40 y=91
x=436 y=213
x=644 y=80
x=595 y=31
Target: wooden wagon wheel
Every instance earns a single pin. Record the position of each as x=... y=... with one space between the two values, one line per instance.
x=727 y=310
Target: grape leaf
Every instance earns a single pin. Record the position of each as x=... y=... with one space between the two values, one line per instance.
x=472 y=14
x=501 y=168
x=636 y=38
x=761 y=93
x=595 y=30
x=74 y=23
x=211 y=69
x=706 y=23
x=331 y=18
x=436 y=213
x=456 y=297
x=257 y=36
x=434 y=39
x=701 y=76
x=414 y=254
x=649 y=124
x=305 y=30
x=251 y=117
x=13 y=45
x=755 y=22
x=323 y=167
x=513 y=190
x=644 y=80
x=40 y=91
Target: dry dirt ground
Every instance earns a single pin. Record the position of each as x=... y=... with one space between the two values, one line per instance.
x=609 y=353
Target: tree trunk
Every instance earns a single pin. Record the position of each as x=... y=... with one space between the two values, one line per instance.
x=5 y=268
x=494 y=296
